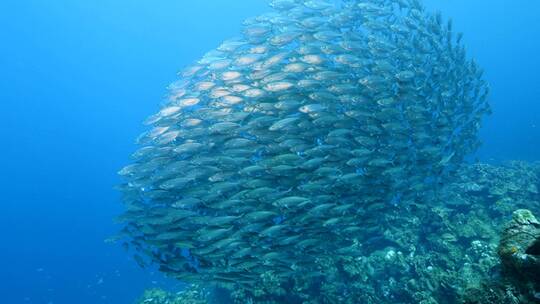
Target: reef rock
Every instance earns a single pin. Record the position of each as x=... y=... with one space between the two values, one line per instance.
x=519 y=248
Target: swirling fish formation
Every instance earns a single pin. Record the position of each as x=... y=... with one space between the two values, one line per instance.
x=285 y=144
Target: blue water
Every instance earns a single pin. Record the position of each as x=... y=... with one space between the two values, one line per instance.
x=78 y=77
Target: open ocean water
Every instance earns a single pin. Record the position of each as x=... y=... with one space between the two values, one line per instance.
x=79 y=77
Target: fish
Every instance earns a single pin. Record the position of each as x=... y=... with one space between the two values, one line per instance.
x=188 y=148
x=313 y=59
x=282 y=124
x=278 y=86
x=260 y=215
x=312 y=108
x=317 y=4
x=223 y=127
x=291 y=201
x=230 y=75
x=285 y=147
x=295 y=67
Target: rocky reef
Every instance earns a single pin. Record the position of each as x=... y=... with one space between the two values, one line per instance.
x=444 y=252
x=520 y=246
x=520 y=253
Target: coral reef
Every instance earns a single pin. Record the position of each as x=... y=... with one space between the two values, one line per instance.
x=191 y=295
x=441 y=253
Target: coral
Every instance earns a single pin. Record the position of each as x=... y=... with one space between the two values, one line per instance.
x=483 y=293
x=191 y=295
x=446 y=253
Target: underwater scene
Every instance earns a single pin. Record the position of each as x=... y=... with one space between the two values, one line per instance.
x=270 y=151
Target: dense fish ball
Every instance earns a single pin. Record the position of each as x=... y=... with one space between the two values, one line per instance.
x=285 y=143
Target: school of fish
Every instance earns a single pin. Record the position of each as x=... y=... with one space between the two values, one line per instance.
x=284 y=144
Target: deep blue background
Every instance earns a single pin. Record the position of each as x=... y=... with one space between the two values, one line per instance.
x=78 y=77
